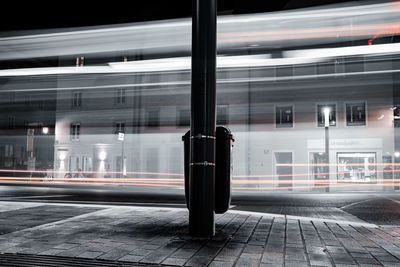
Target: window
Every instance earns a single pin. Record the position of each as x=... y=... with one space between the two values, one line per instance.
x=222 y=115
x=396 y=115
x=80 y=61
x=319 y=165
x=284 y=116
x=120 y=96
x=153 y=118
x=9 y=151
x=120 y=127
x=75 y=131
x=356 y=167
x=321 y=115
x=27 y=100
x=11 y=122
x=11 y=98
x=284 y=168
x=76 y=99
x=183 y=118
x=356 y=114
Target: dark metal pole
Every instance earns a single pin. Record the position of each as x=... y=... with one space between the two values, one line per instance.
x=327 y=157
x=202 y=126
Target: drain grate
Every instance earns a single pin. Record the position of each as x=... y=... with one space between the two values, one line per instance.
x=29 y=260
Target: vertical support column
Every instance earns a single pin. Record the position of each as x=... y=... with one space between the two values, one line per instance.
x=202 y=126
x=327 y=156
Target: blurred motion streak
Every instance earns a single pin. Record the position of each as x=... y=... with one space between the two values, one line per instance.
x=312 y=97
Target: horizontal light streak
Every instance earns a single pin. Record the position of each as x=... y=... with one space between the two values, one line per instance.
x=333 y=164
x=158 y=65
x=276 y=187
x=92 y=172
x=91 y=183
x=184 y=63
x=180 y=176
x=306 y=174
x=315 y=186
x=150 y=181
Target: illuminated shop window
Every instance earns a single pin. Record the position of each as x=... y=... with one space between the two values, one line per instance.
x=356 y=167
x=319 y=165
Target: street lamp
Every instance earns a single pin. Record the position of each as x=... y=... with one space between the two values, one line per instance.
x=121 y=137
x=327 y=112
x=45 y=130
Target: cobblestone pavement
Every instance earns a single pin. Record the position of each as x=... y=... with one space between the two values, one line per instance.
x=153 y=235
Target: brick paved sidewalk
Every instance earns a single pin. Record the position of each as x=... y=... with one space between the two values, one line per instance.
x=159 y=236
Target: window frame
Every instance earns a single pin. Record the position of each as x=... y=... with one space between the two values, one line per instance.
x=75 y=135
x=366 y=113
x=293 y=116
x=317 y=112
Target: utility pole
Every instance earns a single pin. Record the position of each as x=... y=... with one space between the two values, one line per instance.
x=203 y=121
x=326 y=118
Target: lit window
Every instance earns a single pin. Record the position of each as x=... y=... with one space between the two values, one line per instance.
x=356 y=114
x=80 y=61
x=332 y=115
x=284 y=116
x=75 y=131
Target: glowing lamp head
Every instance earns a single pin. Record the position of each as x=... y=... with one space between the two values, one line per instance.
x=45 y=130
x=326 y=111
x=397 y=154
x=102 y=155
x=61 y=156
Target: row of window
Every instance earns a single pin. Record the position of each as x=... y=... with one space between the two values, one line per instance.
x=284 y=117
x=355 y=115
x=119 y=98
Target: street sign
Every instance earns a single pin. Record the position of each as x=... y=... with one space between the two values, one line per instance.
x=121 y=136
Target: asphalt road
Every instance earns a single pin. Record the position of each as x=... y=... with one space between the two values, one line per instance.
x=376 y=208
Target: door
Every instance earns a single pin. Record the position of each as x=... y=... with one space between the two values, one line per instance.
x=284 y=169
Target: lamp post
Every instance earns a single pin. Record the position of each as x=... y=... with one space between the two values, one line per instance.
x=121 y=137
x=327 y=111
x=202 y=123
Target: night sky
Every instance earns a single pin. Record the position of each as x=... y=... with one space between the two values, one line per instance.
x=26 y=15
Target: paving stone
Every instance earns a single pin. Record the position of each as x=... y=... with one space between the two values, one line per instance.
x=114 y=254
x=174 y=261
x=247 y=262
x=199 y=261
x=155 y=257
x=221 y=264
x=90 y=254
x=296 y=263
x=134 y=234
